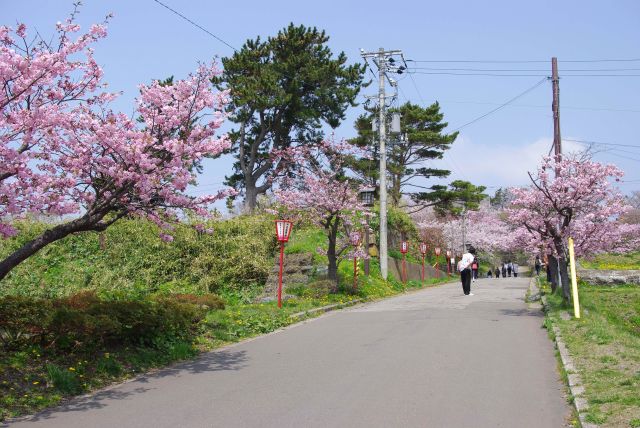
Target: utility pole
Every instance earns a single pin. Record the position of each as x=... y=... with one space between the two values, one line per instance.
x=555 y=106
x=382 y=132
x=557 y=144
x=381 y=58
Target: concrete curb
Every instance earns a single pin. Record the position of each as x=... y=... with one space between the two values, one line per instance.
x=576 y=387
x=326 y=308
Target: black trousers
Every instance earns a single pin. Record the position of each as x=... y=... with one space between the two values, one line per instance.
x=465 y=277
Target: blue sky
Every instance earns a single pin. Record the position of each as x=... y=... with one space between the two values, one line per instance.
x=146 y=41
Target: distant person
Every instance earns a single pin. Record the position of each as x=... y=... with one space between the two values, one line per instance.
x=474 y=269
x=497 y=272
x=489 y=273
x=515 y=268
x=538 y=265
x=509 y=268
x=464 y=267
x=504 y=270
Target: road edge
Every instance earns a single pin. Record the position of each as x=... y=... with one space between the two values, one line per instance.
x=574 y=381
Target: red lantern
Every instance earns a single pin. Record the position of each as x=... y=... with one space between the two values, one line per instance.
x=283 y=230
x=423 y=251
x=404 y=249
x=448 y=253
x=423 y=248
x=437 y=250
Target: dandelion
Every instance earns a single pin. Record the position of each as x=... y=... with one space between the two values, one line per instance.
x=72 y=369
x=35 y=382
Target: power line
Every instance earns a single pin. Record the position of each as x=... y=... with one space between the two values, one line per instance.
x=517 y=75
x=523 y=61
x=524 y=69
x=195 y=24
x=476 y=74
x=502 y=105
x=601 y=144
x=541 y=106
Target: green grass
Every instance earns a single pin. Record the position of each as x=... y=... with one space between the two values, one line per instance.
x=605 y=346
x=613 y=261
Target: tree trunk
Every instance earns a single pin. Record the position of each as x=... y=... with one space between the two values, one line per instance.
x=84 y=223
x=332 y=229
x=564 y=277
x=553 y=272
x=251 y=195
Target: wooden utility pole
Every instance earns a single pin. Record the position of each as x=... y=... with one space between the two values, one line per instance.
x=557 y=141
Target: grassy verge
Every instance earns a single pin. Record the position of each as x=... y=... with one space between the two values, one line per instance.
x=605 y=347
x=613 y=261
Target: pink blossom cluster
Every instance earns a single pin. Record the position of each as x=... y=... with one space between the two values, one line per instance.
x=317 y=194
x=579 y=202
x=63 y=151
x=485 y=229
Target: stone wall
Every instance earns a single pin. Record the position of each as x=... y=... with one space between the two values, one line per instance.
x=414 y=270
x=609 y=277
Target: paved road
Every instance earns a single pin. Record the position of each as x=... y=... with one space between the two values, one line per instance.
x=434 y=358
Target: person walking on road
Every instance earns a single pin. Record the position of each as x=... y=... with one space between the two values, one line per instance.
x=497 y=271
x=538 y=265
x=464 y=267
x=504 y=270
x=515 y=268
x=509 y=268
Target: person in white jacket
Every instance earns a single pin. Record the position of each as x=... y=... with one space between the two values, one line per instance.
x=464 y=267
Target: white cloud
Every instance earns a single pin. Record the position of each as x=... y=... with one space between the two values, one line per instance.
x=498 y=165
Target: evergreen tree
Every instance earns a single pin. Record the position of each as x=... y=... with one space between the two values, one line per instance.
x=282 y=91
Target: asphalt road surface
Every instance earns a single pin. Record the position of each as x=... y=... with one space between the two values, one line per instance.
x=433 y=358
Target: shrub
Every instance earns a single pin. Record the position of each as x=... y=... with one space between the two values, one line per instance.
x=85 y=320
x=23 y=320
x=209 y=300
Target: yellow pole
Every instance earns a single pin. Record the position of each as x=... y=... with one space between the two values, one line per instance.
x=574 y=281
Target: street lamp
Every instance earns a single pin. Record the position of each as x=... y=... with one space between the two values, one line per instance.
x=283 y=230
x=404 y=248
x=355 y=241
x=437 y=251
x=449 y=267
x=423 y=251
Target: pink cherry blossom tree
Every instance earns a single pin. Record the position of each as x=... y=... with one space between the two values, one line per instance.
x=579 y=202
x=323 y=195
x=64 y=152
x=485 y=229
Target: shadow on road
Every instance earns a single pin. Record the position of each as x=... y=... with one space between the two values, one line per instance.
x=523 y=312
x=209 y=362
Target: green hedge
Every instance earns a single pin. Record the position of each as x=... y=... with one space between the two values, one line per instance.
x=86 y=321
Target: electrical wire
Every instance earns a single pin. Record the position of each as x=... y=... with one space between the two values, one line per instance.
x=518 y=75
x=524 y=61
x=600 y=143
x=502 y=105
x=525 y=69
x=195 y=24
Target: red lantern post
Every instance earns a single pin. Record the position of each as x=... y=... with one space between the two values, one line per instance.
x=423 y=251
x=355 y=241
x=283 y=230
x=449 y=267
x=404 y=248
x=437 y=251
